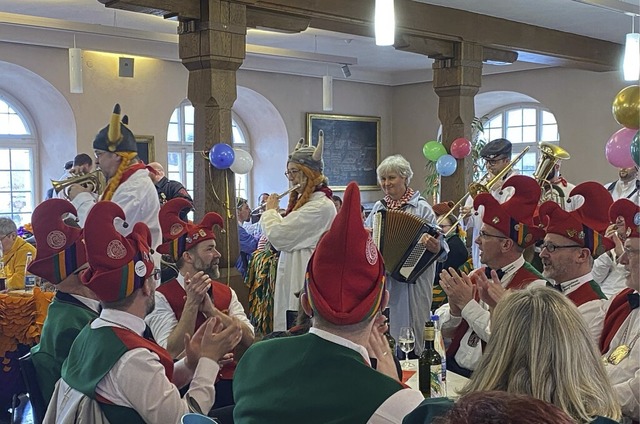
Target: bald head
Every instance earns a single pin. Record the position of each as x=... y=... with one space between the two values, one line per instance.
x=159 y=171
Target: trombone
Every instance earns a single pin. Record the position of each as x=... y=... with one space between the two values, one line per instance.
x=477 y=188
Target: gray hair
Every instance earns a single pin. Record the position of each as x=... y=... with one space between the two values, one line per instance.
x=7 y=226
x=396 y=164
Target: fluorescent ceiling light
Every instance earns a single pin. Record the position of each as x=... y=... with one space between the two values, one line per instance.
x=631 y=62
x=385 y=23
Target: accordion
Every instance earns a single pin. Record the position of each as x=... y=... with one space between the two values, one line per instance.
x=397 y=233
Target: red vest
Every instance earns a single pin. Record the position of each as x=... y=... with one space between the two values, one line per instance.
x=583 y=294
x=617 y=313
x=175 y=295
x=522 y=278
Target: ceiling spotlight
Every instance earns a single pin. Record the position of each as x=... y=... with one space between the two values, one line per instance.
x=346 y=71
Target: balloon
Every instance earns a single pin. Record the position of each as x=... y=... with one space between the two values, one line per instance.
x=460 y=148
x=221 y=156
x=446 y=165
x=635 y=148
x=432 y=150
x=626 y=107
x=618 y=148
x=242 y=163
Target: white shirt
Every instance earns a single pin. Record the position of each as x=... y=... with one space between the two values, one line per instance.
x=396 y=407
x=623 y=190
x=624 y=377
x=575 y=283
x=162 y=320
x=138 y=380
x=611 y=276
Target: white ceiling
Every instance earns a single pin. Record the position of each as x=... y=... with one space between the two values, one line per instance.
x=382 y=65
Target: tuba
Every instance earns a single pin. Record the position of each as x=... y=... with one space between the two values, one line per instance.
x=94 y=181
x=550 y=155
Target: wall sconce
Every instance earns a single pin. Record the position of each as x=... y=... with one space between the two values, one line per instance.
x=385 y=23
x=327 y=93
x=631 y=62
x=75 y=70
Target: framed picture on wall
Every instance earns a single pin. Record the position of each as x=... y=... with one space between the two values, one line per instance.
x=145 y=148
x=351 y=148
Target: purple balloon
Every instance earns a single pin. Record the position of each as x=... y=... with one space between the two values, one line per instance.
x=618 y=148
x=221 y=156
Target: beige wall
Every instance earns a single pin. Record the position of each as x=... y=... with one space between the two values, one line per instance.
x=580 y=100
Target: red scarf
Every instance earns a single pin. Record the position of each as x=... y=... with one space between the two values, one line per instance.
x=132 y=169
x=323 y=188
x=399 y=204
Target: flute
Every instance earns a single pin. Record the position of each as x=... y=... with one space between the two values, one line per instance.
x=280 y=196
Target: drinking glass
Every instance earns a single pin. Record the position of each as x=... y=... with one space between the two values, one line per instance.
x=407 y=341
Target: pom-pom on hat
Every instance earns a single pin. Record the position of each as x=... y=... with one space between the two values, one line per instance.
x=61 y=250
x=345 y=276
x=631 y=214
x=118 y=265
x=179 y=235
x=496 y=148
x=587 y=224
x=513 y=218
x=309 y=156
x=116 y=137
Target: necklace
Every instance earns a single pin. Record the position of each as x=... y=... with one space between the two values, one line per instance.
x=623 y=350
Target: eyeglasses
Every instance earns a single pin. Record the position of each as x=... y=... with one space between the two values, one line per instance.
x=552 y=247
x=484 y=234
x=629 y=251
x=291 y=173
x=5 y=236
x=156 y=274
x=492 y=162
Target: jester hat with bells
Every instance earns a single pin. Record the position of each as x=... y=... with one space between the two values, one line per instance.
x=118 y=265
x=179 y=235
x=513 y=218
x=586 y=225
x=630 y=212
x=345 y=279
x=61 y=250
x=116 y=137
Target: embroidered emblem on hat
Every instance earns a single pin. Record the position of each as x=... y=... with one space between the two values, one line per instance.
x=56 y=239
x=202 y=232
x=176 y=229
x=141 y=269
x=371 y=252
x=495 y=220
x=571 y=232
x=116 y=250
x=636 y=219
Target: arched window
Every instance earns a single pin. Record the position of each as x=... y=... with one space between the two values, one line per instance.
x=17 y=162
x=523 y=125
x=180 y=148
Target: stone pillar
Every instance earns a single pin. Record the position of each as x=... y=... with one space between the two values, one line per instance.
x=456 y=81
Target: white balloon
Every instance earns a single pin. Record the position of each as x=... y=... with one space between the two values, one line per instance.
x=242 y=163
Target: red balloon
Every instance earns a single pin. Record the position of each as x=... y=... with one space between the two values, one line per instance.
x=460 y=148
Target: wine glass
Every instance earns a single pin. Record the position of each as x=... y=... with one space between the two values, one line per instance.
x=407 y=341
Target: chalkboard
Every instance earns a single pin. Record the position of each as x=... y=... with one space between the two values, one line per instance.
x=145 y=148
x=351 y=148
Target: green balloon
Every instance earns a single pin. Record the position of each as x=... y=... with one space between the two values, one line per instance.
x=432 y=150
x=635 y=148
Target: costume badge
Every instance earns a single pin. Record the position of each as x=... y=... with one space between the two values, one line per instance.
x=581 y=235
x=528 y=238
x=56 y=239
x=571 y=232
x=636 y=219
x=116 y=250
x=202 y=232
x=516 y=227
x=188 y=239
x=473 y=340
x=140 y=268
x=371 y=252
x=495 y=220
x=176 y=229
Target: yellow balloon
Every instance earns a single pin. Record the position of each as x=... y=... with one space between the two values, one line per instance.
x=626 y=107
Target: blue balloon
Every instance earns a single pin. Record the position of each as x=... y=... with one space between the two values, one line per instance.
x=446 y=165
x=221 y=156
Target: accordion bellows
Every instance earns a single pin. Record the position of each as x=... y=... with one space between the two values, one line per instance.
x=397 y=233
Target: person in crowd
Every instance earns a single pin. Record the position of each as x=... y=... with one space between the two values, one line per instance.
x=507 y=230
x=248 y=244
x=497 y=156
x=308 y=215
x=61 y=256
x=114 y=360
x=14 y=254
x=560 y=188
x=82 y=164
x=627 y=186
x=68 y=166
x=409 y=304
x=458 y=253
x=128 y=182
x=325 y=375
x=257 y=213
x=541 y=347
x=607 y=271
x=574 y=239
x=615 y=323
x=337 y=201
x=168 y=189
x=184 y=303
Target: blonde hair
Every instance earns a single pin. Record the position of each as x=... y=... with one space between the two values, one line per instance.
x=541 y=347
x=313 y=179
x=114 y=181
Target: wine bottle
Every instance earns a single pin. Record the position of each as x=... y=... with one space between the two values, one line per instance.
x=387 y=334
x=430 y=366
x=29 y=278
x=438 y=342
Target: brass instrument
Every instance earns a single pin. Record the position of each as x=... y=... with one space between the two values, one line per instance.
x=477 y=188
x=280 y=196
x=550 y=155
x=94 y=181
